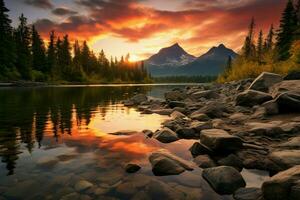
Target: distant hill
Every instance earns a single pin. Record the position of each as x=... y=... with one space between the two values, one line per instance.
x=174 y=61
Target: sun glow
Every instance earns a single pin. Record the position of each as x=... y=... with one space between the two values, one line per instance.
x=134 y=58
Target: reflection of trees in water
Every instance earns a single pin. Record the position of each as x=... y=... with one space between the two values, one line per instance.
x=24 y=113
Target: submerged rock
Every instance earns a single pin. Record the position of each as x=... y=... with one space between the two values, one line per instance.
x=83 y=185
x=224 y=179
x=204 y=161
x=233 y=161
x=164 y=163
x=132 y=168
x=166 y=135
x=264 y=81
x=279 y=187
x=220 y=141
x=139 y=98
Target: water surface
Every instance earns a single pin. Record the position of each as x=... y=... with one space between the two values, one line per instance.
x=54 y=137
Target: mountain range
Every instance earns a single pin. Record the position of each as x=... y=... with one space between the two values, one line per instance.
x=175 y=61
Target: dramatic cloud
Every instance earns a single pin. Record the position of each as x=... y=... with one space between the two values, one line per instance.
x=63 y=11
x=45 y=4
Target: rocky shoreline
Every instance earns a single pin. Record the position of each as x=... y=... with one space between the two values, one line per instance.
x=252 y=124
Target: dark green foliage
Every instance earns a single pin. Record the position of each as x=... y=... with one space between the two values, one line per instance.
x=269 y=43
x=185 y=79
x=260 y=47
x=22 y=40
x=51 y=56
x=249 y=47
x=288 y=26
x=38 y=52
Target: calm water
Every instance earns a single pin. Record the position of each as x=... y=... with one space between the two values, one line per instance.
x=52 y=138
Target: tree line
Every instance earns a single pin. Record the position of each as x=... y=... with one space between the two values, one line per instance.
x=25 y=56
x=278 y=51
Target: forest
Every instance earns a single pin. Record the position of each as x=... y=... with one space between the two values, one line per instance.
x=278 y=52
x=26 y=56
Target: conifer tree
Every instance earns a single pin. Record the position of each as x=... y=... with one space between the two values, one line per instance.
x=51 y=55
x=260 y=46
x=249 y=47
x=7 y=46
x=85 y=56
x=270 y=39
x=288 y=26
x=22 y=41
x=38 y=52
x=65 y=57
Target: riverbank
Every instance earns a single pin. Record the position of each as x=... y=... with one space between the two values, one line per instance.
x=252 y=124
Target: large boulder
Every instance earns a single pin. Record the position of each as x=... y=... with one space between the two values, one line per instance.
x=269 y=128
x=166 y=135
x=288 y=102
x=233 y=161
x=264 y=81
x=139 y=98
x=251 y=98
x=176 y=95
x=280 y=186
x=224 y=179
x=199 y=149
x=187 y=133
x=285 y=86
x=220 y=141
x=204 y=161
x=213 y=109
x=164 y=163
x=207 y=94
x=286 y=158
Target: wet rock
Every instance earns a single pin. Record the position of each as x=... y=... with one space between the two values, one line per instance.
x=124 y=132
x=141 y=195
x=251 y=98
x=294 y=75
x=139 y=98
x=207 y=94
x=187 y=133
x=279 y=187
x=174 y=104
x=71 y=196
x=238 y=117
x=163 y=111
x=248 y=194
x=286 y=158
x=175 y=96
x=199 y=126
x=293 y=143
x=82 y=185
x=18 y=190
x=148 y=133
x=204 y=161
x=199 y=149
x=268 y=129
x=271 y=107
x=214 y=109
x=164 y=163
x=233 y=161
x=166 y=135
x=132 y=168
x=224 y=179
x=158 y=189
x=288 y=102
x=199 y=116
x=177 y=114
x=220 y=141
x=264 y=81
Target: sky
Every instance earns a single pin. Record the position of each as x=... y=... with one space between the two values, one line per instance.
x=143 y=27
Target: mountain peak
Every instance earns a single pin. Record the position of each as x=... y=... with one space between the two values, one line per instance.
x=222 y=46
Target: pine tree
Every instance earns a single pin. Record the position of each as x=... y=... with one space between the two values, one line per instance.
x=65 y=58
x=85 y=56
x=249 y=47
x=269 y=43
x=260 y=47
x=23 y=40
x=51 y=55
x=38 y=52
x=7 y=46
x=228 y=64
x=288 y=26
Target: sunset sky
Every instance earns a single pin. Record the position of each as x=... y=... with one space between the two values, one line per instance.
x=142 y=27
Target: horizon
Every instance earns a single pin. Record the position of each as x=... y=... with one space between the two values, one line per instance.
x=142 y=28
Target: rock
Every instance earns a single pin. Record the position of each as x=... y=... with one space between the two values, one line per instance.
x=139 y=98
x=175 y=96
x=214 y=110
x=199 y=149
x=187 y=133
x=251 y=98
x=199 y=116
x=148 y=133
x=295 y=191
x=268 y=129
x=286 y=158
x=264 y=81
x=271 y=107
x=248 y=194
x=291 y=127
x=207 y=94
x=238 y=117
x=132 y=168
x=294 y=75
x=174 y=104
x=199 y=126
x=224 y=179
x=71 y=196
x=204 y=161
x=166 y=135
x=293 y=143
x=285 y=86
x=279 y=187
x=177 y=114
x=259 y=113
x=233 y=161
x=288 y=102
x=82 y=185
x=220 y=141
x=163 y=111
x=124 y=132
x=164 y=163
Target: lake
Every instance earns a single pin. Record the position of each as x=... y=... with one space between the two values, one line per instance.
x=54 y=138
